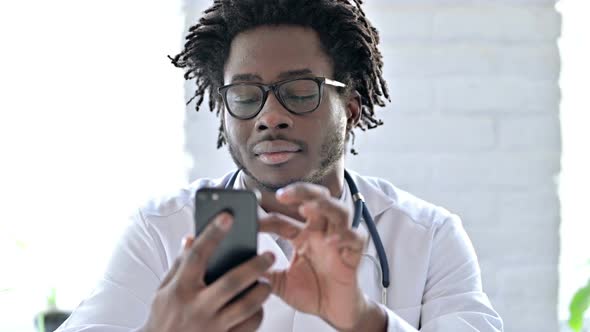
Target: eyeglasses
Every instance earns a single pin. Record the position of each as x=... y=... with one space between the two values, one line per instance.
x=301 y=95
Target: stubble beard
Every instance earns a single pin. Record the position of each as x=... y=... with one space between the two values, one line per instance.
x=331 y=152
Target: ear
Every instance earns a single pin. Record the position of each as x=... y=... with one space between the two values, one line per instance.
x=354 y=108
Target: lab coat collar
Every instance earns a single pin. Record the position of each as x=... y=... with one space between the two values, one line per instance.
x=376 y=199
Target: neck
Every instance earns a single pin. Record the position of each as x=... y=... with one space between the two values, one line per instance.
x=333 y=180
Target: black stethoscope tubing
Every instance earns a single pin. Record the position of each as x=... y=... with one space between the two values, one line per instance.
x=360 y=208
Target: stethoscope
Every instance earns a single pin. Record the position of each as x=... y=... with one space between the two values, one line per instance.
x=360 y=208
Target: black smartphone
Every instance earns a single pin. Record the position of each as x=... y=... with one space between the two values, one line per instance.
x=240 y=243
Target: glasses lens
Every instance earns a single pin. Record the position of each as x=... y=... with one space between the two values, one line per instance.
x=243 y=100
x=300 y=96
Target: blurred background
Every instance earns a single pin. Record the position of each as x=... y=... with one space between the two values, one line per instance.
x=488 y=118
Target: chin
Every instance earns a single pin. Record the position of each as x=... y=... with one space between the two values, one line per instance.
x=276 y=177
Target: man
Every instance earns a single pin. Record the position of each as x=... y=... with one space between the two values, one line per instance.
x=290 y=80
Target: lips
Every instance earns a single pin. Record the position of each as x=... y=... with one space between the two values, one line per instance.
x=275 y=152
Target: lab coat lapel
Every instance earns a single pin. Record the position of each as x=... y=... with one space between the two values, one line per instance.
x=276 y=312
x=369 y=272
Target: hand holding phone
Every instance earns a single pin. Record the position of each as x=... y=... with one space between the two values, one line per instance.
x=184 y=302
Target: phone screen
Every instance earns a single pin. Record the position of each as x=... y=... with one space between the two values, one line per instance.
x=240 y=243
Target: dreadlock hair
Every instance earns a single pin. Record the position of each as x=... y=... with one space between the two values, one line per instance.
x=346 y=35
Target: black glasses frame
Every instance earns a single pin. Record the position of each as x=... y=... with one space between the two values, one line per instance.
x=266 y=88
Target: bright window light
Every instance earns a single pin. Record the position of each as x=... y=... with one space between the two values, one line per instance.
x=575 y=178
x=91 y=125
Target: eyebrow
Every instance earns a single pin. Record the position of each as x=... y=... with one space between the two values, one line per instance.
x=294 y=73
x=282 y=76
x=246 y=77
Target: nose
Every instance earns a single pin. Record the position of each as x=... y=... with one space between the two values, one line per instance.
x=273 y=115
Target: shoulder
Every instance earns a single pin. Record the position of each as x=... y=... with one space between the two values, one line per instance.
x=173 y=202
x=391 y=199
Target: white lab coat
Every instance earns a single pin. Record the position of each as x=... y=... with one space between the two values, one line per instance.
x=435 y=276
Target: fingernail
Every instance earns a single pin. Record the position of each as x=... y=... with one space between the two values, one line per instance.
x=224 y=222
x=283 y=192
x=187 y=241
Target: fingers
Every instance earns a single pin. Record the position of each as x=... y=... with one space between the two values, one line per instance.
x=281 y=225
x=350 y=246
x=353 y=241
x=315 y=221
x=171 y=273
x=236 y=280
x=300 y=192
x=316 y=205
x=277 y=281
x=248 y=305
x=325 y=210
x=251 y=324
x=195 y=259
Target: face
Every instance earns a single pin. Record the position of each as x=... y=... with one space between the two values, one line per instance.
x=277 y=147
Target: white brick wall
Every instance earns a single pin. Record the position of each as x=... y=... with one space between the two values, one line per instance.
x=473 y=126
